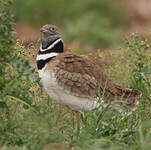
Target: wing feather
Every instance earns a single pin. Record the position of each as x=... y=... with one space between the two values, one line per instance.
x=84 y=78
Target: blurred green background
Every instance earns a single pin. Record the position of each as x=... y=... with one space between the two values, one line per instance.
x=95 y=23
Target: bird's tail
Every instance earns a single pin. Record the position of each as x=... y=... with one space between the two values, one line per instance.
x=116 y=92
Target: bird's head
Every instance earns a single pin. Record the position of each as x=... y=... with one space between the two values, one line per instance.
x=49 y=34
x=49 y=30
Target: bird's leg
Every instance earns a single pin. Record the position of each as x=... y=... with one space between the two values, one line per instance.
x=77 y=125
x=73 y=120
x=82 y=118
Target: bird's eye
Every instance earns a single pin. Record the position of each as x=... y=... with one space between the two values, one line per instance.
x=52 y=29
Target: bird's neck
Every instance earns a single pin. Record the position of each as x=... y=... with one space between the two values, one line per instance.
x=48 y=50
x=53 y=45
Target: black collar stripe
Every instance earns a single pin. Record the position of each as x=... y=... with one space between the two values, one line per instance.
x=58 y=48
x=41 y=63
x=49 y=44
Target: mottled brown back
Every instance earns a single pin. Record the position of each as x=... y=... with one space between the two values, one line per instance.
x=84 y=78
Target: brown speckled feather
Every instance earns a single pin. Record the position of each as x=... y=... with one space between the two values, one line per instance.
x=84 y=78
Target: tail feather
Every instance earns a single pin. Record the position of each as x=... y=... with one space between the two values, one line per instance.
x=116 y=92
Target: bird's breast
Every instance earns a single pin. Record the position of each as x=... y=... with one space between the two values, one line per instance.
x=63 y=96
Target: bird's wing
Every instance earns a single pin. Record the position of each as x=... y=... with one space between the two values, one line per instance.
x=85 y=78
x=76 y=75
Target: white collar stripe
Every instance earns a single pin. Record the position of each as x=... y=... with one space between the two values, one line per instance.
x=51 y=46
x=46 y=56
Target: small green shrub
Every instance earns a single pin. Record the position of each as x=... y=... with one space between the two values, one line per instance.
x=139 y=64
x=16 y=77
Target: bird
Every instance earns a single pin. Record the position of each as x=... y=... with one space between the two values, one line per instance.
x=74 y=81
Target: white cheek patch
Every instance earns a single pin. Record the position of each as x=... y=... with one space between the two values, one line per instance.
x=51 y=46
x=46 y=56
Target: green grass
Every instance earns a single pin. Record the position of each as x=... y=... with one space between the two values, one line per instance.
x=46 y=122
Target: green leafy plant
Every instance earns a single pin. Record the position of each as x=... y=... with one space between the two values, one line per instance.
x=16 y=75
x=139 y=66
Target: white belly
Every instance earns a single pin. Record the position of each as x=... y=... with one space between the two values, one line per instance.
x=63 y=97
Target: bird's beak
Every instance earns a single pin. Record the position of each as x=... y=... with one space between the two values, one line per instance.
x=43 y=30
